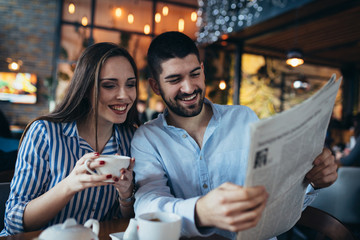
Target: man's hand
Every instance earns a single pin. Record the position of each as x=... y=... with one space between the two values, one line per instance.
x=231 y=207
x=323 y=174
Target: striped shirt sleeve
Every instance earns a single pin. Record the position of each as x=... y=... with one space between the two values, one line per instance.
x=31 y=174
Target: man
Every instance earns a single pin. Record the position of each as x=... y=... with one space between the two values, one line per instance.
x=192 y=159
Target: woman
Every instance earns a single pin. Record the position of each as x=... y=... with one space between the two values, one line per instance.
x=98 y=115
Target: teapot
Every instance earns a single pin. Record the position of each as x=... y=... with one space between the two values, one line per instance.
x=70 y=230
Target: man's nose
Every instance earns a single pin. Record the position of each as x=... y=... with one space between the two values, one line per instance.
x=187 y=86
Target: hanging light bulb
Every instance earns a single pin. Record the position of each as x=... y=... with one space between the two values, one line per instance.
x=71 y=8
x=294 y=58
x=165 y=11
x=181 y=25
x=157 y=17
x=193 y=16
x=118 y=12
x=14 y=66
x=222 y=85
x=84 y=21
x=130 y=18
x=147 y=29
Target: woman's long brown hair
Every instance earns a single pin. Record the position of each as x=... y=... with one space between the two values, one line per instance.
x=76 y=104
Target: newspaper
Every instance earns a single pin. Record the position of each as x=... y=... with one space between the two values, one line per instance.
x=282 y=150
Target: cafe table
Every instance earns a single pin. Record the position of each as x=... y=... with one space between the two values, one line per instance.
x=106 y=227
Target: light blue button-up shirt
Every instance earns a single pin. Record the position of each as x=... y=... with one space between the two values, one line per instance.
x=172 y=171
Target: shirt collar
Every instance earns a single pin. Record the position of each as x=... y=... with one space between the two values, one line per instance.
x=70 y=129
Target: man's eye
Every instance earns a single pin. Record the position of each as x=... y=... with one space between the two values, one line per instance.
x=174 y=80
x=195 y=74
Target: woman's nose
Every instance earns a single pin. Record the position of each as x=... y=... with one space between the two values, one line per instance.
x=121 y=94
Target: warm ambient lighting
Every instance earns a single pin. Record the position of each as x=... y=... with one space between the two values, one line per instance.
x=147 y=29
x=294 y=58
x=165 y=11
x=118 y=12
x=84 y=21
x=157 y=17
x=14 y=66
x=222 y=85
x=181 y=25
x=193 y=16
x=130 y=18
x=71 y=8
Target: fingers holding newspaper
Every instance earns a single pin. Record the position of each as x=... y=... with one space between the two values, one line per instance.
x=323 y=174
x=231 y=207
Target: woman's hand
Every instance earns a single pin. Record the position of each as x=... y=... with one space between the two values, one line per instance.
x=124 y=184
x=80 y=179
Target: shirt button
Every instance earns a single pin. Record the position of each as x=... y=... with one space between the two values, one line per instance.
x=205 y=185
x=200 y=157
x=93 y=209
x=184 y=135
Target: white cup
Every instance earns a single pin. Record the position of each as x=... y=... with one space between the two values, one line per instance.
x=159 y=226
x=113 y=165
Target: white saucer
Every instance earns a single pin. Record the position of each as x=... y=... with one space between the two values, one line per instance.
x=117 y=236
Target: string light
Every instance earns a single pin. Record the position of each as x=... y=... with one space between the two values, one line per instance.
x=130 y=18
x=193 y=16
x=147 y=29
x=71 y=8
x=181 y=25
x=118 y=12
x=165 y=11
x=84 y=21
x=157 y=17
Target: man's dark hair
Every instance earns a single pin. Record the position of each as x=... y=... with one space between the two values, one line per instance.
x=166 y=46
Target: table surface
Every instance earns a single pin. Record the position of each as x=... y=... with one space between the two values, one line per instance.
x=106 y=227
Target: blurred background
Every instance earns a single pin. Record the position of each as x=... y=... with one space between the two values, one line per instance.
x=247 y=47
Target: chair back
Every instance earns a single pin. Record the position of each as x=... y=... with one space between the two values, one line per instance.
x=342 y=199
x=324 y=224
x=4 y=194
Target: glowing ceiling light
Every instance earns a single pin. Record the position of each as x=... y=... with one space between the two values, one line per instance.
x=157 y=17
x=71 y=8
x=181 y=25
x=193 y=16
x=14 y=66
x=165 y=11
x=118 y=12
x=147 y=29
x=130 y=18
x=294 y=58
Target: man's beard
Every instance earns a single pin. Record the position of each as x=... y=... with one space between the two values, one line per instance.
x=191 y=111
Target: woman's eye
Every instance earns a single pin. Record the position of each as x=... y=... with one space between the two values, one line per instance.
x=108 y=86
x=131 y=85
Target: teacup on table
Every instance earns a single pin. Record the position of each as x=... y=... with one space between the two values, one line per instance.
x=113 y=165
x=155 y=225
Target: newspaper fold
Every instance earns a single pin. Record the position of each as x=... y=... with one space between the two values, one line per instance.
x=282 y=150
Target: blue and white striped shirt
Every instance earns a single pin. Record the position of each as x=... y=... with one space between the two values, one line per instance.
x=46 y=156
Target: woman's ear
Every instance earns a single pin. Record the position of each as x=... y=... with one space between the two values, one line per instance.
x=154 y=85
